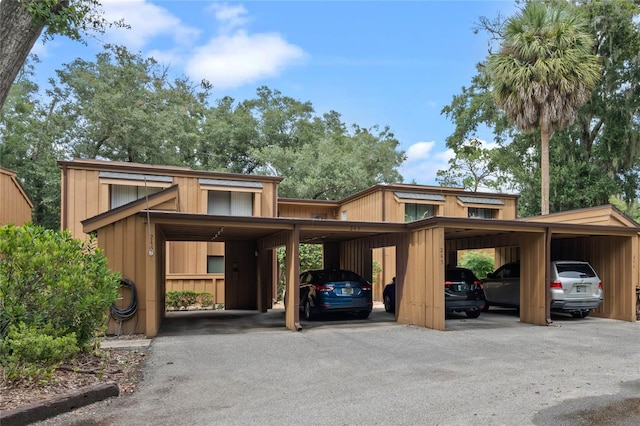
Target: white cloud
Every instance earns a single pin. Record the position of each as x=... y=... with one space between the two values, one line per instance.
x=235 y=60
x=419 y=151
x=232 y=57
x=230 y=17
x=422 y=163
x=147 y=21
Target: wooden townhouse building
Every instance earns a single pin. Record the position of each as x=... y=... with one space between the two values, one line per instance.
x=172 y=228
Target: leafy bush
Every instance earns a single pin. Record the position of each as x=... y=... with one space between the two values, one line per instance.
x=480 y=262
x=184 y=298
x=30 y=352
x=53 y=282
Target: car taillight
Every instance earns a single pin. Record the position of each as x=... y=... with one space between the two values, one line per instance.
x=600 y=285
x=448 y=283
x=478 y=283
x=365 y=287
x=556 y=284
x=322 y=287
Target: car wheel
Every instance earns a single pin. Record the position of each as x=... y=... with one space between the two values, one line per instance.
x=486 y=306
x=308 y=315
x=472 y=314
x=363 y=314
x=388 y=306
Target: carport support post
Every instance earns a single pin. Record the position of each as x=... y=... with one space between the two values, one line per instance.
x=547 y=276
x=292 y=274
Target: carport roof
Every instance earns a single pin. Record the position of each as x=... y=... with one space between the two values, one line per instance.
x=177 y=226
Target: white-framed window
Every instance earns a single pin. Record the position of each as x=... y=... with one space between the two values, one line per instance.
x=344 y=215
x=230 y=203
x=123 y=194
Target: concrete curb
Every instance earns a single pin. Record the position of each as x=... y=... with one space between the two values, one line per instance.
x=51 y=407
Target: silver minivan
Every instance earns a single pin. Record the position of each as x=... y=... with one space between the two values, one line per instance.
x=575 y=287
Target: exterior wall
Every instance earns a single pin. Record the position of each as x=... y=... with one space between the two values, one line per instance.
x=533 y=287
x=420 y=300
x=15 y=206
x=308 y=211
x=210 y=284
x=382 y=204
x=132 y=264
x=365 y=208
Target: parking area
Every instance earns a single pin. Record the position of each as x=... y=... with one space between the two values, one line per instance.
x=243 y=368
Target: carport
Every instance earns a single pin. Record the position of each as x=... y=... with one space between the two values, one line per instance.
x=134 y=239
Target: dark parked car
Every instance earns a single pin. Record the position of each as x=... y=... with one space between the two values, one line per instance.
x=340 y=290
x=462 y=293
x=575 y=287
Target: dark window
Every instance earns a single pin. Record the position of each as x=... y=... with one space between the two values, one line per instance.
x=575 y=270
x=417 y=211
x=230 y=203
x=215 y=264
x=511 y=270
x=482 y=213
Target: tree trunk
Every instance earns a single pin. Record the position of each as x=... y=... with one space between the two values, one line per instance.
x=545 y=136
x=18 y=33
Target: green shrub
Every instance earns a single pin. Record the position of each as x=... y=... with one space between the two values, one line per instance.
x=173 y=299
x=182 y=299
x=205 y=298
x=49 y=279
x=480 y=262
x=31 y=352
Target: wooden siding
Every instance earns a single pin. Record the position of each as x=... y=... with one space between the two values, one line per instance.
x=420 y=300
x=211 y=283
x=132 y=264
x=383 y=205
x=532 y=279
x=366 y=208
x=306 y=211
x=15 y=205
x=606 y=215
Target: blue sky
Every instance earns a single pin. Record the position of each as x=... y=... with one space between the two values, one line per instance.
x=386 y=63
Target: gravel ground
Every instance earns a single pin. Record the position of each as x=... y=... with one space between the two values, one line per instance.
x=236 y=368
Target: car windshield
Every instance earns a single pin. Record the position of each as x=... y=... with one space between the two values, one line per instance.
x=575 y=270
x=333 y=276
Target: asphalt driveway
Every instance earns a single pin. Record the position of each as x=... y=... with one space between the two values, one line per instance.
x=245 y=368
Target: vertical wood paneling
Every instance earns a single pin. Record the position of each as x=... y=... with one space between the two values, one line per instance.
x=14 y=207
x=533 y=287
x=292 y=265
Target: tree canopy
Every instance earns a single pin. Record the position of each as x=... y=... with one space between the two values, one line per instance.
x=545 y=70
x=125 y=107
x=594 y=157
x=23 y=21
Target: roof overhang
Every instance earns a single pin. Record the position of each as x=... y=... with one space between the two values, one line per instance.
x=177 y=226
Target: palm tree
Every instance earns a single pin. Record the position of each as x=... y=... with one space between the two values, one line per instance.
x=545 y=70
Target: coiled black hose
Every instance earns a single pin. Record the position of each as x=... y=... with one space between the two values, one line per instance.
x=125 y=314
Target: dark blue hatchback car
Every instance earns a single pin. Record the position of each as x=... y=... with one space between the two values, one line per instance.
x=339 y=290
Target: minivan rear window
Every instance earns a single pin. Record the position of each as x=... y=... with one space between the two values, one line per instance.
x=575 y=270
